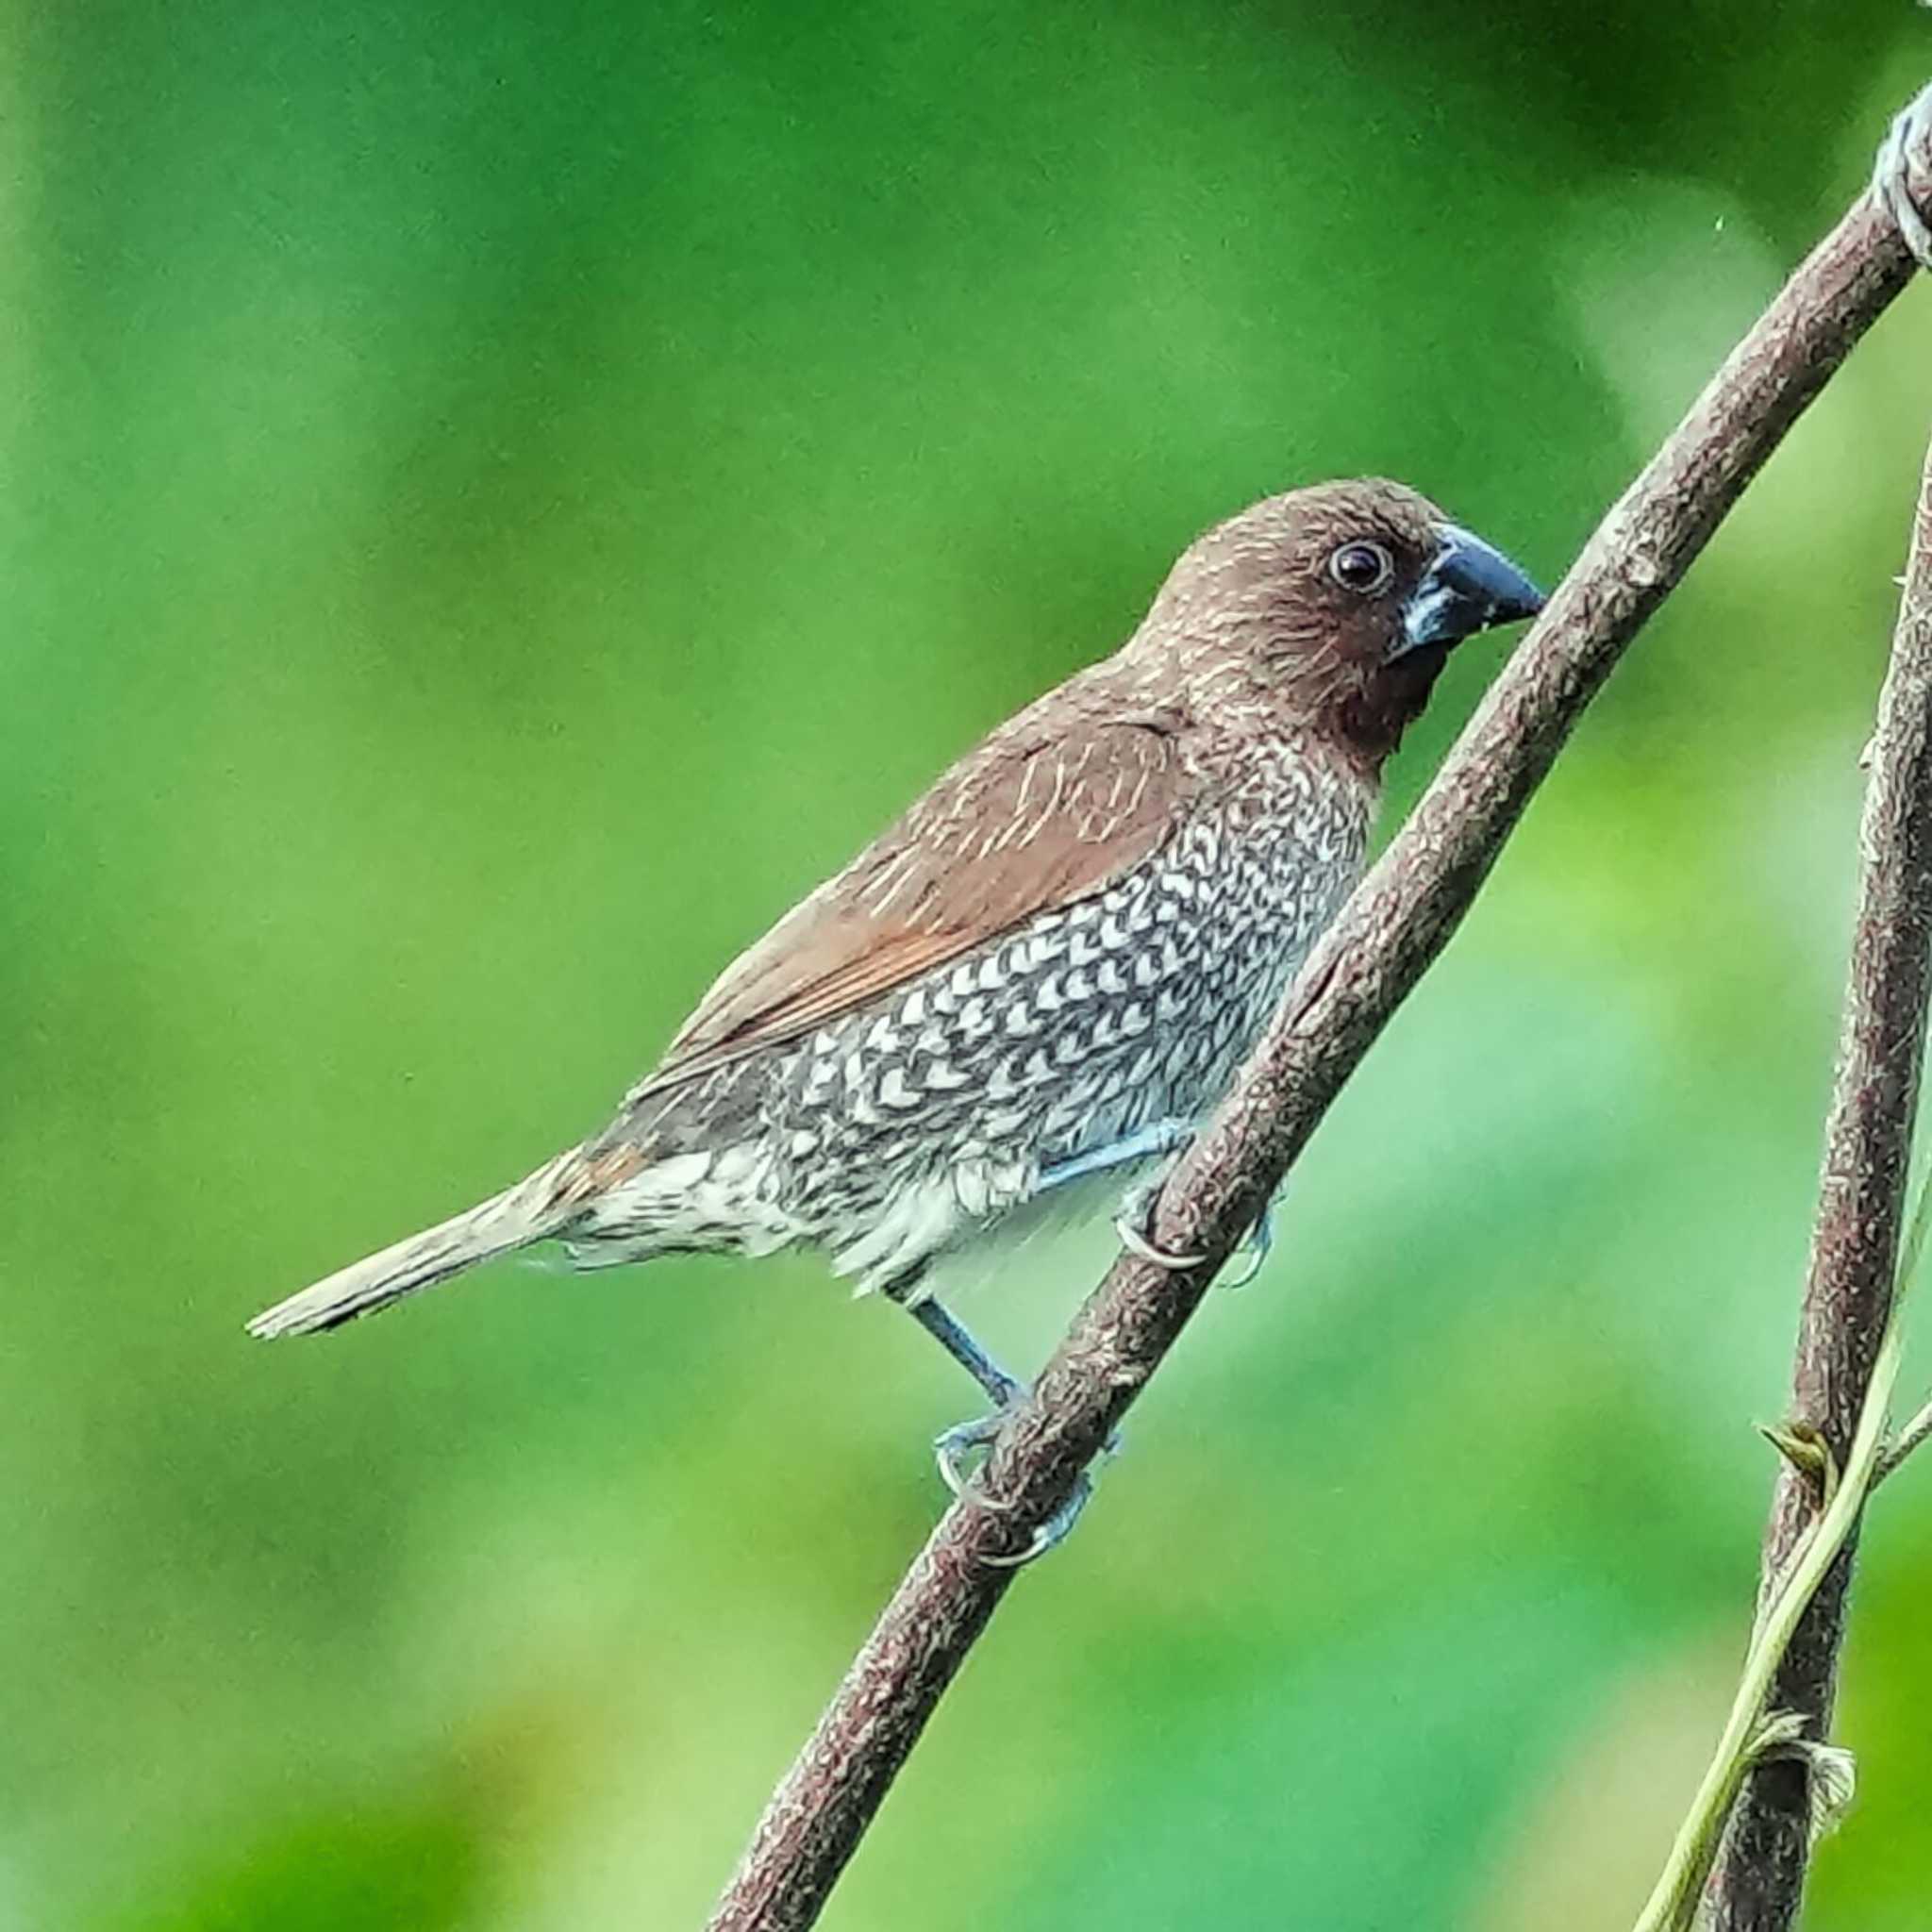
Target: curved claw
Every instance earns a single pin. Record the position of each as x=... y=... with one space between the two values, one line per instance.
x=1260 y=1245
x=951 y=1447
x=1137 y=1243
x=1130 y=1224
x=1890 y=184
x=1051 y=1533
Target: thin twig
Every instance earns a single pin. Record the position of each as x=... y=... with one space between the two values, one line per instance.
x=1749 y=1739
x=1393 y=926
x=1849 y=1290
x=1909 y=1439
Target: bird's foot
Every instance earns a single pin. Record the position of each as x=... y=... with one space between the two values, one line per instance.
x=1910 y=131
x=1258 y=1246
x=1131 y=1226
x=952 y=1448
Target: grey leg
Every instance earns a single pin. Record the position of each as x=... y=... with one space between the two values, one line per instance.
x=952 y=1446
x=933 y=1317
x=1157 y=1137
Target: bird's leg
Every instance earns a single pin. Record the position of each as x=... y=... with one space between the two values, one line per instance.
x=933 y=1317
x=952 y=1446
x=1158 y=1137
x=1889 y=183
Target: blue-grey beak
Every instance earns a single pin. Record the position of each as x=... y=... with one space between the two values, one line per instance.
x=1468 y=587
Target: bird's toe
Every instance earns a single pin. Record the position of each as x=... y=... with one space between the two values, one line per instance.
x=1133 y=1223
x=1260 y=1244
x=1051 y=1533
x=953 y=1449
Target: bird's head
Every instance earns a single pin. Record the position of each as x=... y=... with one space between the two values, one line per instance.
x=1331 y=610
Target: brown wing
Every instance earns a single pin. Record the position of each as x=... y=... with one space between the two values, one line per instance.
x=1051 y=808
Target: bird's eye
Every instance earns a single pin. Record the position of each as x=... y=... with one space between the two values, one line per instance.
x=1362 y=568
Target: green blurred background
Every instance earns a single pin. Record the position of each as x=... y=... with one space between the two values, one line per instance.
x=499 y=501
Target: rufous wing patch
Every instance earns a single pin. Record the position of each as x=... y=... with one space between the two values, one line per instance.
x=1049 y=810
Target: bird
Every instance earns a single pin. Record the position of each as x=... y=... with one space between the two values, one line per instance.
x=1033 y=985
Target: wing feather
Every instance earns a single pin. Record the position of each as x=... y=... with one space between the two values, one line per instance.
x=1053 y=808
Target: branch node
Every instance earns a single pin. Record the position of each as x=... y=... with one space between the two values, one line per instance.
x=1806 y=1451
x=1831 y=1772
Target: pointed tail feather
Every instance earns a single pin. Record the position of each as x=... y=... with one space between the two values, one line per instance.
x=540 y=1204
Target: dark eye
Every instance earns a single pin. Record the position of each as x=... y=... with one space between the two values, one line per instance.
x=1362 y=568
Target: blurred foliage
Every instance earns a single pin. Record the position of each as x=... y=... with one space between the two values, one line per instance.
x=503 y=498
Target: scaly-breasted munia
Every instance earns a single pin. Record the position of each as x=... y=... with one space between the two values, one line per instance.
x=1044 y=974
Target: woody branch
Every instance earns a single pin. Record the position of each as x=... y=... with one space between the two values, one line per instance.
x=1854 y=1238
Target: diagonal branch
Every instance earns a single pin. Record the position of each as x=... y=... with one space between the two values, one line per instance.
x=1855 y=1240
x=1913 y=1436
x=1395 y=925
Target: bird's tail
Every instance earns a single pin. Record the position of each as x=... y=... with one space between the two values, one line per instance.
x=540 y=1204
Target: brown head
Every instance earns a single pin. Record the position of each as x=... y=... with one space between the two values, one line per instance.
x=1331 y=610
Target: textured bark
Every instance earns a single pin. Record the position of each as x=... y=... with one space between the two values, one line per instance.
x=1395 y=923
x=1854 y=1238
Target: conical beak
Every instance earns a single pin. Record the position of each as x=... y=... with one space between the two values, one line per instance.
x=1468 y=587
